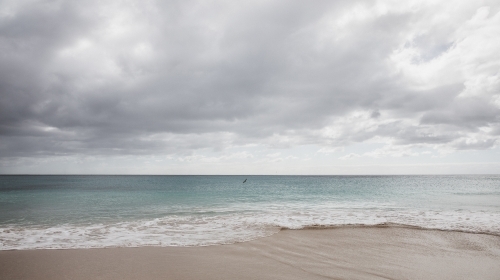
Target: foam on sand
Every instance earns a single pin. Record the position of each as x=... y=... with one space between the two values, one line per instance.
x=237 y=226
x=346 y=252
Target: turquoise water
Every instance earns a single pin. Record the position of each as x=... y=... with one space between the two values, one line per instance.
x=129 y=211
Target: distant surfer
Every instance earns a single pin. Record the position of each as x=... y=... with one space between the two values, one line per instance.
x=244 y=181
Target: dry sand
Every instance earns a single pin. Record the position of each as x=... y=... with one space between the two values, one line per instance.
x=340 y=253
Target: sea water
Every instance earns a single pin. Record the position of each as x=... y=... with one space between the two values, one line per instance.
x=128 y=211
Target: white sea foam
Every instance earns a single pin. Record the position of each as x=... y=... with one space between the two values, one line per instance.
x=203 y=230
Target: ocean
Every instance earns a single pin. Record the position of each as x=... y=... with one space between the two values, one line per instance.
x=91 y=211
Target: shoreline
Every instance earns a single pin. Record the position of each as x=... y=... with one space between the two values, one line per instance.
x=389 y=225
x=276 y=230
x=346 y=252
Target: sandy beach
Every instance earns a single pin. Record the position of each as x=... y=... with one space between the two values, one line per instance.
x=383 y=252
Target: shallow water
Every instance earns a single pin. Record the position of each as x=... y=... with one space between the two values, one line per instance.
x=129 y=211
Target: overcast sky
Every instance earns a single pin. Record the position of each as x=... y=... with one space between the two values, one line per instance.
x=249 y=87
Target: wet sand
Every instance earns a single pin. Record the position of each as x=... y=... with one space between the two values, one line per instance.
x=384 y=252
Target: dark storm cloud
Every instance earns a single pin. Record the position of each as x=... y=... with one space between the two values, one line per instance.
x=169 y=77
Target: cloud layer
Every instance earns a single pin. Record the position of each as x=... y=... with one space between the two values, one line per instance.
x=171 y=78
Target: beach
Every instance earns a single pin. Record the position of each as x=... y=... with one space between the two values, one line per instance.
x=347 y=252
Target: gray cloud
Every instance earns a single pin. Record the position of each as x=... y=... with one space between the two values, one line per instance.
x=172 y=77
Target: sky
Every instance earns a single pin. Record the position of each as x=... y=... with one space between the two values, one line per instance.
x=249 y=87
